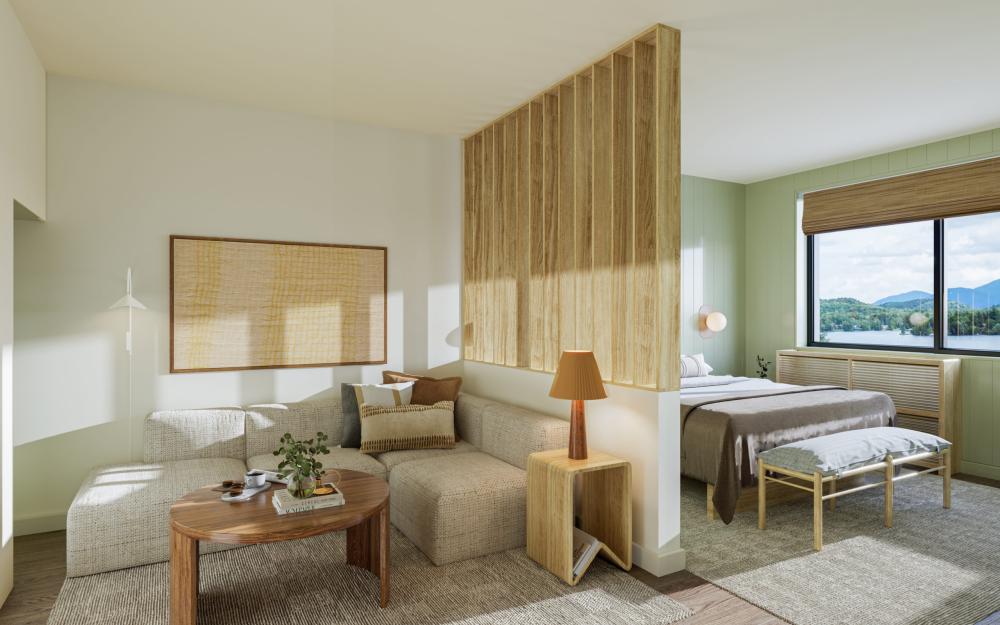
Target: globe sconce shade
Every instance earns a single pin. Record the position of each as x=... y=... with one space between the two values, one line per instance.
x=710 y=322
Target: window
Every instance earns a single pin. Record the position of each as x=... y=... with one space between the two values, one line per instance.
x=972 y=282
x=921 y=286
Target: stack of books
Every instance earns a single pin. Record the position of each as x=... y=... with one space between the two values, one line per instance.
x=585 y=548
x=284 y=503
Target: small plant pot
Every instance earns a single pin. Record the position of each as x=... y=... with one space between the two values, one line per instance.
x=301 y=487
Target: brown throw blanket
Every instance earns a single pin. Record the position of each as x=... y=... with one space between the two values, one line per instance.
x=722 y=434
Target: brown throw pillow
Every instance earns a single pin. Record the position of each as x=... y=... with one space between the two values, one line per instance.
x=391 y=428
x=426 y=391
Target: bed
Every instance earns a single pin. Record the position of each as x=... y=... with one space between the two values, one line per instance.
x=726 y=421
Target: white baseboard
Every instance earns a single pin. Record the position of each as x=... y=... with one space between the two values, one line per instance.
x=40 y=523
x=659 y=562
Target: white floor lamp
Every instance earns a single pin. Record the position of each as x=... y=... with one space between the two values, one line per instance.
x=127 y=301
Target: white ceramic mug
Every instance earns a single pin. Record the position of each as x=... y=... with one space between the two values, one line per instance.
x=254 y=479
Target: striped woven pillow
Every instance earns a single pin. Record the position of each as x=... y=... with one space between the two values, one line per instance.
x=694 y=366
x=392 y=428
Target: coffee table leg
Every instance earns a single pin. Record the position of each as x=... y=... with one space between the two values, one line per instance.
x=368 y=548
x=183 y=579
x=383 y=553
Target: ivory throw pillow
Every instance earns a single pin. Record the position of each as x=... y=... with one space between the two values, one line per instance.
x=392 y=428
x=427 y=391
x=352 y=396
x=694 y=366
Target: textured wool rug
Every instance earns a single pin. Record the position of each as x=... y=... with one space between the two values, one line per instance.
x=935 y=566
x=306 y=582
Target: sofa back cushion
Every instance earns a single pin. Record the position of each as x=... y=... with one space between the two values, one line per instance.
x=192 y=434
x=267 y=423
x=469 y=418
x=511 y=433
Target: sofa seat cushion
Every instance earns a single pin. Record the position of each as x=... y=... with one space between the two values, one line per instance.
x=459 y=506
x=338 y=458
x=392 y=459
x=121 y=514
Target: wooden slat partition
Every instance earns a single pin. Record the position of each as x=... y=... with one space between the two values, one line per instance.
x=573 y=220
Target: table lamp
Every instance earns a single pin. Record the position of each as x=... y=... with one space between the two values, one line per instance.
x=577 y=379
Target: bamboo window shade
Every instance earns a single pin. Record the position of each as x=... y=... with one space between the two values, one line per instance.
x=966 y=189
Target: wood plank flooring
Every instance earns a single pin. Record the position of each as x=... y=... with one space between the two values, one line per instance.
x=40 y=568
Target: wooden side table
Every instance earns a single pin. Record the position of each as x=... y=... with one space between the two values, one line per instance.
x=605 y=509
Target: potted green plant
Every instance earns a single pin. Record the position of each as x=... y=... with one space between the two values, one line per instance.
x=300 y=465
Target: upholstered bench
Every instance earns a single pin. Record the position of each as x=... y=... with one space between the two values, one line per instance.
x=809 y=464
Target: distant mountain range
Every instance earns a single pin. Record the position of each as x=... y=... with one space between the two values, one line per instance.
x=985 y=296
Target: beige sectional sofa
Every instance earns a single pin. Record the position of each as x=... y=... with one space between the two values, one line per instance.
x=453 y=504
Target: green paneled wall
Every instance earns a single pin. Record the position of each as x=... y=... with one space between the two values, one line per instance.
x=771 y=234
x=712 y=256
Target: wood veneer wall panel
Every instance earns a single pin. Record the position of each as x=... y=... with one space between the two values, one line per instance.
x=644 y=312
x=622 y=335
x=572 y=213
x=536 y=291
x=550 y=208
x=583 y=206
x=509 y=290
x=602 y=232
x=522 y=279
x=566 y=254
x=668 y=204
x=489 y=245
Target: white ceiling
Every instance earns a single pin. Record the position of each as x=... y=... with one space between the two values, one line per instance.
x=769 y=86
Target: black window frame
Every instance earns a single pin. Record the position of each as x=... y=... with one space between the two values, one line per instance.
x=940 y=314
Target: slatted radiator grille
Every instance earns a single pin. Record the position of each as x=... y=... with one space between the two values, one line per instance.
x=930 y=425
x=806 y=371
x=912 y=387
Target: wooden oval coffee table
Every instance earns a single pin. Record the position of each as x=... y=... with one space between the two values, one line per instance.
x=202 y=516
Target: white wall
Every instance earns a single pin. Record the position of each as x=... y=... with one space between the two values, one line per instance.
x=640 y=425
x=22 y=189
x=129 y=167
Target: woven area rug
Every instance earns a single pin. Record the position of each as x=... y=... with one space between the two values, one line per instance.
x=935 y=566
x=306 y=582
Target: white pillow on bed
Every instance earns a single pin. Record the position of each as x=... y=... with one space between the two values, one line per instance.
x=694 y=366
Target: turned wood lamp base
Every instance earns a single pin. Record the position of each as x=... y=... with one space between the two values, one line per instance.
x=577 y=431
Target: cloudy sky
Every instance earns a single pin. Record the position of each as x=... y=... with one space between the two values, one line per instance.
x=872 y=263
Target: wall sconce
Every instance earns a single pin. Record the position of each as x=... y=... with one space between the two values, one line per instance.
x=710 y=322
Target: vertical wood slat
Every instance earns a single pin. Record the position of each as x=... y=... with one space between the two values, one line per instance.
x=489 y=245
x=523 y=243
x=567 y=224
x=469 y=248
x=583 y=207
x=602 y=231
x=668 y=205
x=645 y=313
x=622 y=337
x=536 y=291
x=550 y=204
x=499 y=243
x=478 y=318
x=509 y=304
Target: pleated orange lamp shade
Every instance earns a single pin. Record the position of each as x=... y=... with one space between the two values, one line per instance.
x=577 y=377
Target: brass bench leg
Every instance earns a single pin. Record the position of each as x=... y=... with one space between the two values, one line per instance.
x=818 y=511
x=761 y=495
x=947 y=478
x=833 y=491
x=890 y=469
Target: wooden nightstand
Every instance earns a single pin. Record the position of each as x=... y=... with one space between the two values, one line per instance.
x=605 y=509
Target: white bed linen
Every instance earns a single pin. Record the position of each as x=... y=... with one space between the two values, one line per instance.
x=741 y=385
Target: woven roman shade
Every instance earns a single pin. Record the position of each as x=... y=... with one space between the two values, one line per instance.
x=954 y=191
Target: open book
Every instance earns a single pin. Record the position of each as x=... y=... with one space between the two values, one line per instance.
x=585 y=548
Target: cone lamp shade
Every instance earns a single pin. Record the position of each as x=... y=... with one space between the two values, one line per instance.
x=577 y=379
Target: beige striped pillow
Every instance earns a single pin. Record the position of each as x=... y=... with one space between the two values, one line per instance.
x=391 y=428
